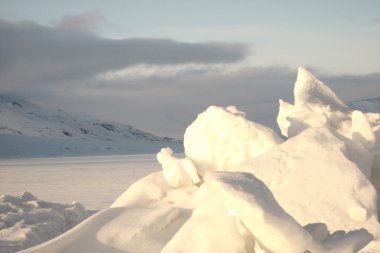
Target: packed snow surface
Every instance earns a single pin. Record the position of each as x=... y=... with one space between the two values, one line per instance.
x=242 y=188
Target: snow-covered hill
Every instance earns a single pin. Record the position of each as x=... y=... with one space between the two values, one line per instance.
x=366 y=105
x=28 y=130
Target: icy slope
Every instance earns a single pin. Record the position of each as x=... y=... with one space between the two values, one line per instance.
x=30 y=130
x=241 y=189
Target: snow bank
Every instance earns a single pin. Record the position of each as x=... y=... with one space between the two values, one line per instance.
x=241 y=189
x=222 y=137
x=26 y=221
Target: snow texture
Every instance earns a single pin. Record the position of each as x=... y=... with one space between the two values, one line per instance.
x=241 y=188
x=249 y=199
x=301 y=184
x=253 y=203
x=26 y=221
x=316 y=105
x=177 y=172
x=222 y=137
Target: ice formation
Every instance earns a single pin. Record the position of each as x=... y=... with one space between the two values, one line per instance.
x=304 y=179
x=26 y=221
x=239 y=180
x=316 y=105
x=177 y=172
x=222 y=137
x=254 y=204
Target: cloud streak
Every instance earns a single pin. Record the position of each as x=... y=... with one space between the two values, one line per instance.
x=31 y=54
x=167 y=103
x=158 y=85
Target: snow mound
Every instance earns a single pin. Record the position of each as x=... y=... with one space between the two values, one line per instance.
x=316 y=105
x=312 y=186
x=309 y=91
x=249 y=199
x=177 y=172
x=241 y=189
x=26 y=221
x=222 y=137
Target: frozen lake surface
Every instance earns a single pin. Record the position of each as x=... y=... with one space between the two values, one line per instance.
x=94 y=181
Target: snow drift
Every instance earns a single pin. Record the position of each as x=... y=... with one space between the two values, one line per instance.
x=239 y=180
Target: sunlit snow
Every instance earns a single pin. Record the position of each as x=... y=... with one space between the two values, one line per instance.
x=241 y=187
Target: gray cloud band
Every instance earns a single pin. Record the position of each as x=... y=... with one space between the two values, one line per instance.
x=34 y=54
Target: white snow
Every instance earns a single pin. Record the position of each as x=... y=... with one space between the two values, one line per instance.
x=94 y=181
x=315 y=105
x=177 y=172
x=309 y=92
x=241 y=188
x=26 y=221
x=361 y=130
x=314 y=188
x=222 y=137
x=252 y=202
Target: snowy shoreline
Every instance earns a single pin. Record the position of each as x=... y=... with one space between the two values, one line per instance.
x=94 y=181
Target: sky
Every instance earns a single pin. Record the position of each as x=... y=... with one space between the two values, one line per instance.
x=157 y=64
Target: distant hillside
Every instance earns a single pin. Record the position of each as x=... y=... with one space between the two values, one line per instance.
x=28 y=130
x=366 y=105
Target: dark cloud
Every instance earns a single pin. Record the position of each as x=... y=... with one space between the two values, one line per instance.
x=167 y=105
x=34 y=55
x=57 y=67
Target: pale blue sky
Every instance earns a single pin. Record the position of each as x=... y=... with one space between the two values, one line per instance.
x=332 y=36
x=82 y=55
